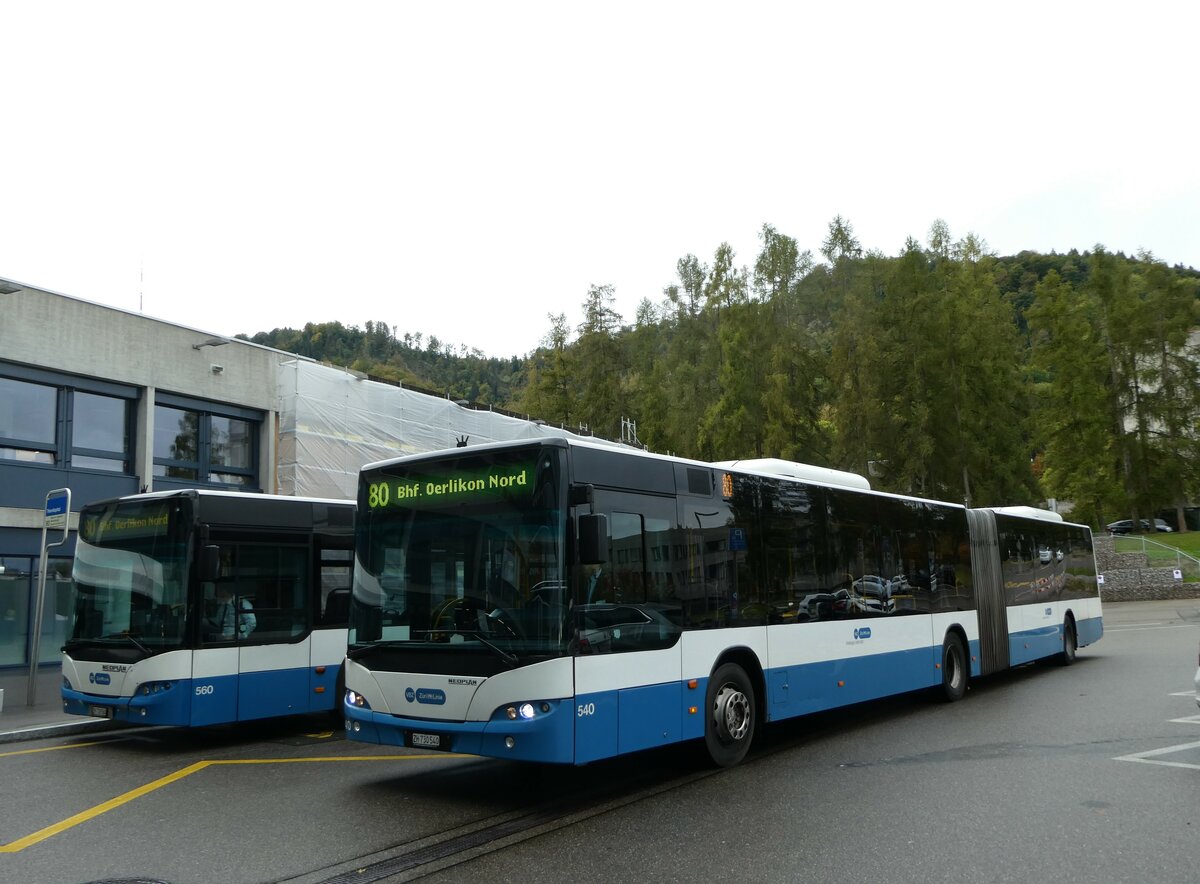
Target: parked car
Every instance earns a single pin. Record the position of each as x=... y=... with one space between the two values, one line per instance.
x=815 y=606
x=874 y=594
x=1125 y=526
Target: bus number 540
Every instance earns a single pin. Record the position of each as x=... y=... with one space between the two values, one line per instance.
x=585 y=709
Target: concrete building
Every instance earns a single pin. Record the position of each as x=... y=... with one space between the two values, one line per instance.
x=107 y=402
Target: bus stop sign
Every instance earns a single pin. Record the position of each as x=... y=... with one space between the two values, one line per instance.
x=58 y=505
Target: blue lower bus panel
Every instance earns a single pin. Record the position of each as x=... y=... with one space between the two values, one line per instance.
x=1089 y=630
x=164 y=703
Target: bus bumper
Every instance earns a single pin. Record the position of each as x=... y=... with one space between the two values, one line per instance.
x=547 y=737
x=166 y=706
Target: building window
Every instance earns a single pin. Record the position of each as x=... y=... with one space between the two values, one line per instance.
x=28 y=419
x=18 y=587
x=176 y=443
x=201 y=446
x=47 y=419
x=99 y=432
x=231 y=450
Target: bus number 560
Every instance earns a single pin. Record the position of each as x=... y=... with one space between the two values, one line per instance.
x=203 y=689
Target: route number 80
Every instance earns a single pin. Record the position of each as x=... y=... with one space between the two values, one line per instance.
x=377 y=495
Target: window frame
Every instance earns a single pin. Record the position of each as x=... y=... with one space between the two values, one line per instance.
x=63 y=450
x=202 y=465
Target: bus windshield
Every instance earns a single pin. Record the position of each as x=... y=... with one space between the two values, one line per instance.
x=463 y=553
x=129 y=580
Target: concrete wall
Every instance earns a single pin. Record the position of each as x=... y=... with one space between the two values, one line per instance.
x=67 y=334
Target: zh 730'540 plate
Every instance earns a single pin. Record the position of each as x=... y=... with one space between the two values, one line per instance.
x=427 y=741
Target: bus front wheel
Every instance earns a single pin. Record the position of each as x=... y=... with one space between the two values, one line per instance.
x=954 y=668
x=729 y=723
x=1070 y=643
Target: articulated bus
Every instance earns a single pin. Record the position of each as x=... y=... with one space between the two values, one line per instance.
x=207 y=607
x=567 y=601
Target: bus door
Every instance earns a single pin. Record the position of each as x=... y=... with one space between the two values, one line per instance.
x=626 y=633
x=253 y=659
x=331 y=612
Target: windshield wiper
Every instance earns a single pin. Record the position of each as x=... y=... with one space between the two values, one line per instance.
x=367 y=649
x=129 y=637
x=506 y=656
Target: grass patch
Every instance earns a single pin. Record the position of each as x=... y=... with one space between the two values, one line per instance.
x=1160 y=550
x=1188 y=543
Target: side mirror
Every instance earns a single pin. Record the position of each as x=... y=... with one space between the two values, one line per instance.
x=581 y=495
x=593 y=539
x=210 y=563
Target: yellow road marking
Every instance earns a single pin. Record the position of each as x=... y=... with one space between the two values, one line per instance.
x=93 y=812
x=84 y=816
x=51 y=748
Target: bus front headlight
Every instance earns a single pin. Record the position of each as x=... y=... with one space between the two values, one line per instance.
x=524 y=711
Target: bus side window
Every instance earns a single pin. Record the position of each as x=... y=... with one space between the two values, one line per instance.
x=332 y=604
x=337 y=608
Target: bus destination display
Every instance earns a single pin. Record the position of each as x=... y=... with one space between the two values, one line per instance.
x=493 y=482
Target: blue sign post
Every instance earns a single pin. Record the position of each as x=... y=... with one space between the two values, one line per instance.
x=58 y=516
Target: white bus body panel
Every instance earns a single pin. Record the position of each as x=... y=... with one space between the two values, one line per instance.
x=125 y=679
x=702 y=647
x=327 y=647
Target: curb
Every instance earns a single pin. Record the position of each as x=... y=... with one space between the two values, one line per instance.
x=63 y=729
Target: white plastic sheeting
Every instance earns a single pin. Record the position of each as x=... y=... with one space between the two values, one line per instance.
x=332 y=421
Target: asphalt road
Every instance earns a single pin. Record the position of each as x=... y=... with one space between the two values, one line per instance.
x=1090 y=771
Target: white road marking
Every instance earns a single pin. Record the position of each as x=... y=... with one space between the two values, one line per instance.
x=1152 y=756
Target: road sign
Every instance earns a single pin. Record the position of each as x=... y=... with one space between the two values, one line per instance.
x=58 y=514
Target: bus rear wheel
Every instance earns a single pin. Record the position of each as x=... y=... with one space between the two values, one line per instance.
x=729 y=722
x=954 y=668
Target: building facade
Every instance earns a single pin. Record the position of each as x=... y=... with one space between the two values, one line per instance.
x=106 y=402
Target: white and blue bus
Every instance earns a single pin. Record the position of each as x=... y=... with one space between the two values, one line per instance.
x=207 y=607
x=567 y=601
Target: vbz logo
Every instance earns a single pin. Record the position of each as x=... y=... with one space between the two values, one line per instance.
x=99 y=678
x=862 y=632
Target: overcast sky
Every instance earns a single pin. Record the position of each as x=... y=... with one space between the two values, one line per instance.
x=465 y=169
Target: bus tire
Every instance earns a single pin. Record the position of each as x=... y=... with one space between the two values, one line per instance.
x=1070 y=643
x=954 y=668
x=730 y=716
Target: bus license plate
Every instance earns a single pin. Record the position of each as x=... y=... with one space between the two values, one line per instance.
x=100 y=711
x=427 y=741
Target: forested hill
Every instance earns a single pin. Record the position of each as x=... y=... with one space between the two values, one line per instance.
x=943 y=371
x=412 y=359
